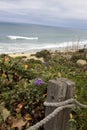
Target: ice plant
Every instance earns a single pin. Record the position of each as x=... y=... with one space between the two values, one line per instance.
x=39 y=82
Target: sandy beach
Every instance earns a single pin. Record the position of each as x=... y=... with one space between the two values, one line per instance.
x=26 y=55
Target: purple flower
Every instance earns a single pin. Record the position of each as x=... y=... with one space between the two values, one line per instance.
x=85 y=67
x=45 y=63
x=38 y=82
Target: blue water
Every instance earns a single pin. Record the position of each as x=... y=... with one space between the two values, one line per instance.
x=28 y=38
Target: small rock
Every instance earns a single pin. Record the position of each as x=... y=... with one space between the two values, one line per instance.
x=81 y=62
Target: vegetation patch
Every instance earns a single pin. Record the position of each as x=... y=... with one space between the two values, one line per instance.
x=23 y=87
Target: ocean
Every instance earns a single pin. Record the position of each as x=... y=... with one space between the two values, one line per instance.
x=18 y=38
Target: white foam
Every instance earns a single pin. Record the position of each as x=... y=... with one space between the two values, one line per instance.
x=12 y=37
x=27 y=47
x=70 y=44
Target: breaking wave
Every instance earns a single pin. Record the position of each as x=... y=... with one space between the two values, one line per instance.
x=21 y=38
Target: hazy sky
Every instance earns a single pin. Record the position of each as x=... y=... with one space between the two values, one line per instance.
x=71 y=13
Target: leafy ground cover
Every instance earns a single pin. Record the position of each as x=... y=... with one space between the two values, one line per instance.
x=23 y=87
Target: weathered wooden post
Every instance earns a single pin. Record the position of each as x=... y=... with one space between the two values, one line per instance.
x=59 y=90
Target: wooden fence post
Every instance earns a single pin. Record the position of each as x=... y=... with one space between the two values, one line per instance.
x=59 y=90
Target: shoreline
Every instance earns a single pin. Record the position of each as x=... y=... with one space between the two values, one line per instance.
x=31 y=54
x=60 y=49
x=67 y=48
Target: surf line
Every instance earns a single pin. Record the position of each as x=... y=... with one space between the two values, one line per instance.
x=22 y=37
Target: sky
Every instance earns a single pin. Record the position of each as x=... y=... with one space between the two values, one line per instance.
x=65 y=13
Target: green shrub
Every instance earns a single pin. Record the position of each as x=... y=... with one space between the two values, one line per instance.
x=44 y=53
x=77 y=56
